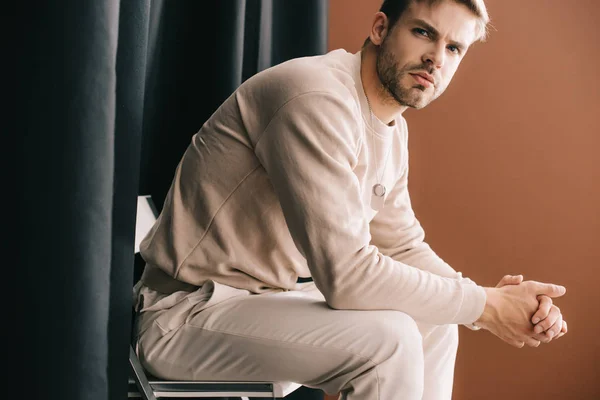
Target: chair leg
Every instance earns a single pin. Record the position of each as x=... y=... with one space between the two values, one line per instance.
x=140 y=377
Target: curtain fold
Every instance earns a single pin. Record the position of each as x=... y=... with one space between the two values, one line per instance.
x=109 y=96
x=134 y=17
x=299 y=28
x=66 y=134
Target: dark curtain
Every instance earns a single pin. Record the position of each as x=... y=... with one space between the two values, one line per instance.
x=108 y=96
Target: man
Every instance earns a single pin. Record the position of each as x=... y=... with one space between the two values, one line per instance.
x=303 y=173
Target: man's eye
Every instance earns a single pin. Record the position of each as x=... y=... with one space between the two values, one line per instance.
x=421 y=32
x=454 y=49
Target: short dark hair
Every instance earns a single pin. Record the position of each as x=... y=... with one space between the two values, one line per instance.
x=394 y=9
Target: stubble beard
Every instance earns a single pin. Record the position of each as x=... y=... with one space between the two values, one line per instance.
x=391 y=74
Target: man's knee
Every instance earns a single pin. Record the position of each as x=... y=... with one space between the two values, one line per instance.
x=401 y=358
x=397 y=326
x=398 y=337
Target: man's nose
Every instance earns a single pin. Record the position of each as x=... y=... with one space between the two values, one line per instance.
x=435 y=56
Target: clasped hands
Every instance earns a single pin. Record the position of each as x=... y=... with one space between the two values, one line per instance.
x=522 y=313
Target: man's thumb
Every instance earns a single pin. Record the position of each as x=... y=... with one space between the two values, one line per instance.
x=550 y=289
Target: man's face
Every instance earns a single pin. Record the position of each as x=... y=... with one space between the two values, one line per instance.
x=421 y=53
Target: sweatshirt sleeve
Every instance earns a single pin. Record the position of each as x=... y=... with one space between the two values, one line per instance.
x=397 y=233
x=309 y=150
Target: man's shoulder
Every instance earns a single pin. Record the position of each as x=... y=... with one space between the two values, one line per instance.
x=329 y=73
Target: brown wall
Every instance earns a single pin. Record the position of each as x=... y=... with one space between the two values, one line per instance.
x=505 y=178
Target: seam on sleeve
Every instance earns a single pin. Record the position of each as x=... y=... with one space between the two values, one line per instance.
x=209 y=226
x=282 y=106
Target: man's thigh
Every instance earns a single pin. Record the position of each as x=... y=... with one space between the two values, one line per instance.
x=291 y=336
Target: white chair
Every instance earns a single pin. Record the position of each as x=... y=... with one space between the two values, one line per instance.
x=142 y=384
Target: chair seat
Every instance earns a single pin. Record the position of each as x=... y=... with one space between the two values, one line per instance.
x=182 y=389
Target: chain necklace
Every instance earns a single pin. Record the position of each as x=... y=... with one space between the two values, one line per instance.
x=379 y=190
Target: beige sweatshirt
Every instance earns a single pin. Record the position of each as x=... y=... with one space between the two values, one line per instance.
x=277 y=185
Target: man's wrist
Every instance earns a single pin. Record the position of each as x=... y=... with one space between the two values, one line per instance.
x=489 y=310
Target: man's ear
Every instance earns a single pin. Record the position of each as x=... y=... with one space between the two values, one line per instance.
x=379 y=28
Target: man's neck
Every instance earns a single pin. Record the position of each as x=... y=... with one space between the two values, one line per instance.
x=382 y=103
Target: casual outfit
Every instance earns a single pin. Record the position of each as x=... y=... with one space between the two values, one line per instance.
x=277 y=186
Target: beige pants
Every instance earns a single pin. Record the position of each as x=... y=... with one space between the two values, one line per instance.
x=294 y=336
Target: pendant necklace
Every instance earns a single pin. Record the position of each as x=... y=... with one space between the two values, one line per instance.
x=379 y=190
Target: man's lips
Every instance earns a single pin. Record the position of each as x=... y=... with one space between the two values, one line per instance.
x=423 y=79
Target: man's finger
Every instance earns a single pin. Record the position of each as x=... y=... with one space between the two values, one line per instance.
x=510 y=280
x=543 y=309
x=548 y=289
x=542 y=337
x=515 y=343
x=532 y=342
x=555 y=329
x=563 y=330
x=549 y=321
